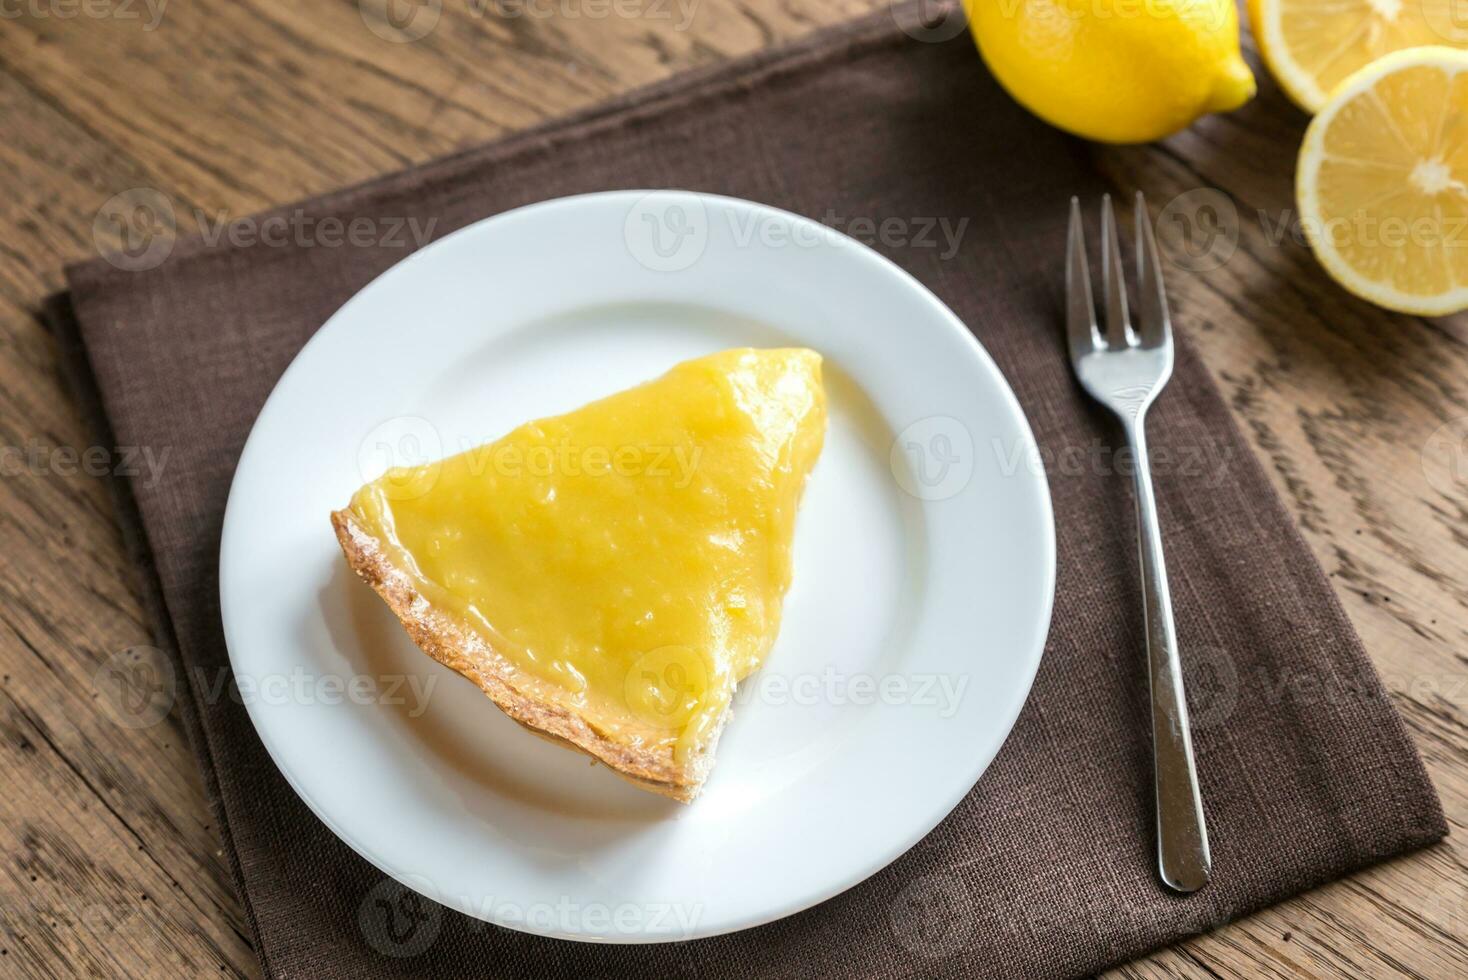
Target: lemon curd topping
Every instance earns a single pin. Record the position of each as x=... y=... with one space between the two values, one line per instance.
x=630 y=558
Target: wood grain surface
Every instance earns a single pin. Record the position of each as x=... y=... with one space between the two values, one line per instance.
x=108 y=864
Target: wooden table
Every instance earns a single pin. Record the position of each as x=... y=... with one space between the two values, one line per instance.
x=108 y=864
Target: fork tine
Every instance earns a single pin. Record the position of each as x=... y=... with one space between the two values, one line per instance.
x=1080 y=307
x=1153 y=326
x=1113 y=284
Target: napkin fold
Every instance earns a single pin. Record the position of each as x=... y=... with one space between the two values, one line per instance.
x=1047 y=867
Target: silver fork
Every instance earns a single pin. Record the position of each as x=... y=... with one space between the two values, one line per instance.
x=1124 y=369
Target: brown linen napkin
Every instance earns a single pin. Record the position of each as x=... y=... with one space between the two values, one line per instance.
x=1047 y=867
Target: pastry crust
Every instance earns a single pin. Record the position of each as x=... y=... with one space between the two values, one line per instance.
x=462 y=650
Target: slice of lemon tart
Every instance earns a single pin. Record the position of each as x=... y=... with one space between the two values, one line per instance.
x=607 y=577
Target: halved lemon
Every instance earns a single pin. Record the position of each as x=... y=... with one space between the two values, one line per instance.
x=1311 y=46
x=1382 y=182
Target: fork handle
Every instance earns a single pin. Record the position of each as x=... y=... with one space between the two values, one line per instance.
x=1182 y=837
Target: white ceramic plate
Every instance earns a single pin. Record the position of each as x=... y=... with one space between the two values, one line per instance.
x=924 y=570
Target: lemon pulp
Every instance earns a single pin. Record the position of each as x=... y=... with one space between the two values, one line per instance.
x=1383 y=182
x=1311 y=47
x=631 y=557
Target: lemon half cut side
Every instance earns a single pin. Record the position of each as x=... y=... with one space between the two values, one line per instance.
x=1382 y=182
x=1311 y=46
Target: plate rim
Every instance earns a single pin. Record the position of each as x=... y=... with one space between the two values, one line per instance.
x=861 y=871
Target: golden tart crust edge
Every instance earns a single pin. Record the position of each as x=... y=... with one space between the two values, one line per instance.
x=465 y=652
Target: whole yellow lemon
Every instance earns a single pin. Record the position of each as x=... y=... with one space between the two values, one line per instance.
x=1119 y=71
